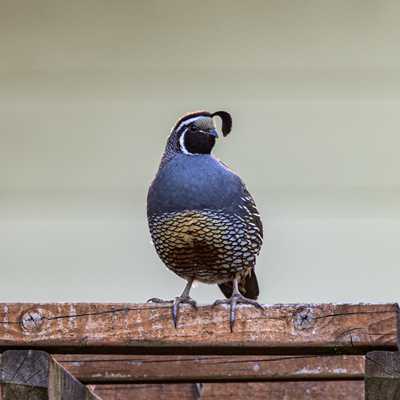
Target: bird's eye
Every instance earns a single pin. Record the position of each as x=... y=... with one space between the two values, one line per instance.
x=195 y=128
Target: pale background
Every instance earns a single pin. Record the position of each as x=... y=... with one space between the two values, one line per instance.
x=90 y=89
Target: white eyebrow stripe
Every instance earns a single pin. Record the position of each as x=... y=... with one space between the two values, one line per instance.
x=190 y=120
x=184 y=123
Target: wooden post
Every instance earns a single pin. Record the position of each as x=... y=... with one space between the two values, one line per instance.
x=34 y=375
x=382 y=375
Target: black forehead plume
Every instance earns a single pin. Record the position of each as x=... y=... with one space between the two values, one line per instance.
x=224 y=115
x=226 y=121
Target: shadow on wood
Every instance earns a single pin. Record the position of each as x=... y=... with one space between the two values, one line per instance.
x=382 y=375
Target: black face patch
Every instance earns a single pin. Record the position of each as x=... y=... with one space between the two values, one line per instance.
x=198 y=142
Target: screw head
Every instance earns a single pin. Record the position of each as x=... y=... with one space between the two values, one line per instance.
x=304 y=319
x=32 y=320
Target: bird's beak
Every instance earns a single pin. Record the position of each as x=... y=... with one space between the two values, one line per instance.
x=213 y=132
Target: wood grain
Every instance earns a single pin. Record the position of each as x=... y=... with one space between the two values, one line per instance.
x=129 y=368
x=317 y=390
x=382 y=375
x=10 y=391
x=280 y=329
x=35 y=375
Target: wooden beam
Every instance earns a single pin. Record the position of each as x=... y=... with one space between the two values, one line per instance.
x=35 y=375
x=280 y=329
x=317 y=390
x=129 y=369
x=382 y=375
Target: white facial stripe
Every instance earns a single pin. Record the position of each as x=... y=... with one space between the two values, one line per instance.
x=182 y=143
x=182 y=136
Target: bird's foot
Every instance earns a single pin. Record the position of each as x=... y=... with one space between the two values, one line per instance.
x=235 y=299
x=175 y=306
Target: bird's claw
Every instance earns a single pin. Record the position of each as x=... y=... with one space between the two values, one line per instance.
x=198 y=390
x=233 y=301
x=159 y=301
x=175 y=306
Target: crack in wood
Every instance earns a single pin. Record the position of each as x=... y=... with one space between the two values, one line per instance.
x=385 y=369
x=191 y=359
x=20 y=366
x=352 y=313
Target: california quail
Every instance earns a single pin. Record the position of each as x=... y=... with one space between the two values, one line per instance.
x=203 y=222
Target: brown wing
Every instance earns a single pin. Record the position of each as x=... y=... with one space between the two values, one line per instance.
x=251 y=205
x=248 y=285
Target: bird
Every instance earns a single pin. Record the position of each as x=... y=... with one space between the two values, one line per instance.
x=203 y=221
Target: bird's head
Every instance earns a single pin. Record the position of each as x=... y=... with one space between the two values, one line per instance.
x=195 y=133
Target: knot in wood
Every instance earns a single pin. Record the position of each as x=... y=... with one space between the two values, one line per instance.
x=304 y=319
x=32 y=320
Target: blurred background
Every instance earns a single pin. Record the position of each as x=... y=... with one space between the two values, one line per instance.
x=89 y=91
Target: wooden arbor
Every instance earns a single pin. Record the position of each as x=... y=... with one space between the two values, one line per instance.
x=130 y=351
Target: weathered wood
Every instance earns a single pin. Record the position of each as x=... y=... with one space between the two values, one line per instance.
x=9 y=391
x=25 y=367
x=317 y=390
x=91 y=368
x=30 y=374
x=280 y=329
x=64 y=386
x=382 y=375
x=24 y=375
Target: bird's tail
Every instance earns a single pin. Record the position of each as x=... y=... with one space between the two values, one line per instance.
x=248 y=287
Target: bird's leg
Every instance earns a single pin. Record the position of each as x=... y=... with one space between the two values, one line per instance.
x=184 y=298
x=236 y=298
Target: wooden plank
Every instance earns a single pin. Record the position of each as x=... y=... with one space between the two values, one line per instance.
x=30 y=374
x=64 y=386
x=315 y=390
x=382 y=375
x=280 y=329
x=92 y=368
